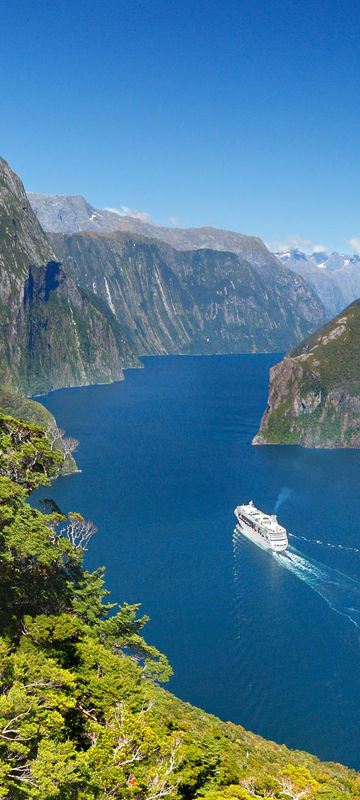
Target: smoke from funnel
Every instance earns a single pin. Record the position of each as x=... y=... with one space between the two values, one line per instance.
x=283 y=495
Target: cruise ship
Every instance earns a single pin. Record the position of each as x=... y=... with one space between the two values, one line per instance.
x=263 y=529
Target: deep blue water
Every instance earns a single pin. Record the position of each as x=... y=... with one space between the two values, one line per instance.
x=270 y=642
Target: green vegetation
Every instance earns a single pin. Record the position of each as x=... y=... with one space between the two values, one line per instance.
x=314 y=397
x=81 y=713
x=31 y=411
x=190 y=301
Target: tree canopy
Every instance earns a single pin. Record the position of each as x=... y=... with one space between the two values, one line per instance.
x=81 y=713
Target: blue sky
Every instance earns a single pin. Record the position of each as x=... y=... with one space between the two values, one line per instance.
x=241 y=115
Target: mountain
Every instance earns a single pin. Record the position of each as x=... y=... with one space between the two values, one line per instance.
x=53 y=333
x=335 y=278
x=192 y=301
x=72 y=214
x=314 y=397
x=67 y=214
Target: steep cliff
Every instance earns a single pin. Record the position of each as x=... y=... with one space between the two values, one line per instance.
x=191 y=301
x=314 y=396
x=53 y=333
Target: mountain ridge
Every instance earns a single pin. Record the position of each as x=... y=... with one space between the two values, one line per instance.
x=73 y=214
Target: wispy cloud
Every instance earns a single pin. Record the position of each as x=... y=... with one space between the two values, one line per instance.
x=174 y=221
x=298 y=243
x=124 y=211
x=354 y=244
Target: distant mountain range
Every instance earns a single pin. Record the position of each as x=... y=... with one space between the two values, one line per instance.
x=335 y=277
x=194 y=290
x=72 y=214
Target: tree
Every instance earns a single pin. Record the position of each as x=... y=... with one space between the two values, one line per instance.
x=69 y=444
x=26 y=456
x=131 y=753
x=297 y=783
x=54 y=434
x=78 y=531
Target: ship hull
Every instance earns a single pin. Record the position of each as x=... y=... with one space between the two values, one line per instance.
x=257 y=538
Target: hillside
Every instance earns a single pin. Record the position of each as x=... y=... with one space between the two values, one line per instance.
x=192 y=301
x=314 y=396
x=81 y=712
x=31 y=411
x=54 y=334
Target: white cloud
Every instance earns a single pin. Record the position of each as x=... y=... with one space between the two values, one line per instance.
x=354 y=244
x=174 y=221
x=298 y=243
x=124 y=211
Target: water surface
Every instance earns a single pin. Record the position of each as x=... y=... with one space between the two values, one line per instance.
x=268 y=642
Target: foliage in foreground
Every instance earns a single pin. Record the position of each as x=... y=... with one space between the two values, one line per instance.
x=81 y=715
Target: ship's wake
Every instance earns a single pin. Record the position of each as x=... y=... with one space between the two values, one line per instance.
x=326 y=544
x=339 y=591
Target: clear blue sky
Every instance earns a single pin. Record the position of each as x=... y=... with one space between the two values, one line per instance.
x=244 y=115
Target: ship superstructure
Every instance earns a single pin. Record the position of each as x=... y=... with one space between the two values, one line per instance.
x=263 y=529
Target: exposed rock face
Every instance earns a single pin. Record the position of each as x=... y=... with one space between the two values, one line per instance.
x=200 y=301
x=53 y=333
x=314 y=397
x=71 y=214
x=60 y=213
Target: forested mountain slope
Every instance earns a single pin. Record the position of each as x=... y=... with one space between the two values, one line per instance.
x=81 y=714
x=53 y=333
x=192 y=301
x=314 y=396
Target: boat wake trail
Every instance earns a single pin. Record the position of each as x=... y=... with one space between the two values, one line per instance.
x=326 y=544
x=341 y=593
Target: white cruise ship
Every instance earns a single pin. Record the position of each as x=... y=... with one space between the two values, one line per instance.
x=263 y=529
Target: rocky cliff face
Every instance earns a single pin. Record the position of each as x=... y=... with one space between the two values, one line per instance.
x=182 y=301
x=314 y=396
x=53 y=333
